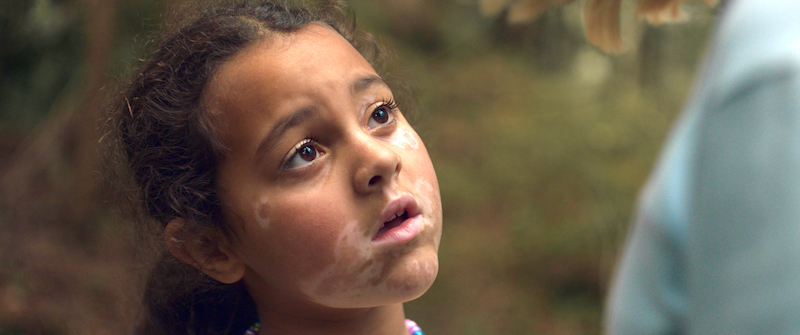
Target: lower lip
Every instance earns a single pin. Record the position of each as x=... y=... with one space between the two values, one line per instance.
x=403 y=233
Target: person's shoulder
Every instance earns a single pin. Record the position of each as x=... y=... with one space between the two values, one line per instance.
x=756 y=42
x=759 y=23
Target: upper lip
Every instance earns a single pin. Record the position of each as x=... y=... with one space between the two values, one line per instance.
x=404 y=203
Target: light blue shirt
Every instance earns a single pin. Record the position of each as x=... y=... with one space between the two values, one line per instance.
x=715 y=245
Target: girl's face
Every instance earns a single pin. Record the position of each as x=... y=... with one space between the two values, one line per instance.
x=332 y=193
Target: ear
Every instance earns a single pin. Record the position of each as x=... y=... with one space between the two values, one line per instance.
x=209 y=254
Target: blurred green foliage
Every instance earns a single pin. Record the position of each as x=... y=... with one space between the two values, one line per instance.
x=540 y=142
x=40 y=53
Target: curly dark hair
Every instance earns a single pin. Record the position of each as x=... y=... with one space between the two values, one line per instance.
x=164 y=138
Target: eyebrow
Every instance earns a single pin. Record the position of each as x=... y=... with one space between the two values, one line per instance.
x=362 y=84
x=282 y=126
x=297 y=118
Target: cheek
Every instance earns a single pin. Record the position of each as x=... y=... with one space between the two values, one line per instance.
x=426 y=191
x=405 y=139
x=289 y=241
x=262 y=212
x=431 y=202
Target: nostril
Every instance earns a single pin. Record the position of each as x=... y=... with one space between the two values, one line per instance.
x=374 y=180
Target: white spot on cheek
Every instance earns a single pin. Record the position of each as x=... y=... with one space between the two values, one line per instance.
x=424 y=189
x=431 y=204
x=404 y=139
x=262 y=212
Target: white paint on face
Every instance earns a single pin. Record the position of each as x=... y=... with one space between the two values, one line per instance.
x=404 y=139
x=424 y=188
x=426 y=270
x=428 y=199
x=352 y=273
x=262 y=212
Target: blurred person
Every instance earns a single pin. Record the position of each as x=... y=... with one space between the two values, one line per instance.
x=715 y=245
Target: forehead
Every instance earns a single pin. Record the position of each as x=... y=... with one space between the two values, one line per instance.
x=314 y=67
x=285 y=65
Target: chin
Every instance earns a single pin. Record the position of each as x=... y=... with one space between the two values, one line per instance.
x=408 y=281
x=415 y=277
x=403 y=279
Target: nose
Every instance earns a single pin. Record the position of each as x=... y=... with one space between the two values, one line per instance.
x=376 y=165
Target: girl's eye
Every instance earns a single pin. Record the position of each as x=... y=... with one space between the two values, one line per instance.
x=382 y=115
x=304 y=153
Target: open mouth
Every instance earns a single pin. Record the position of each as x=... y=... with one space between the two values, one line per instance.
x=393 y=222
x=400 y=222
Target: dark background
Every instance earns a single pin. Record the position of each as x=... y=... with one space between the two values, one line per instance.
x=541 y=144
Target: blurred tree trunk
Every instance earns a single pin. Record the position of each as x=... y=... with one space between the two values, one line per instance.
x=53 y=178
x=651 y=56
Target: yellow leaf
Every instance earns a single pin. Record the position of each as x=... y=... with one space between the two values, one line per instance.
x=526 y=10
x=660 y=11
x=602 y=25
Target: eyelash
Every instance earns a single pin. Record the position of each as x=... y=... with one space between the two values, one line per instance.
x=392 y=105
x=389 y=103
x=296 y=150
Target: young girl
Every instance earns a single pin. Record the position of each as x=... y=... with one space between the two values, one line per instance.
x=292 y=194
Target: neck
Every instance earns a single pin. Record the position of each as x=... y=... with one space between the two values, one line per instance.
x=383 y=320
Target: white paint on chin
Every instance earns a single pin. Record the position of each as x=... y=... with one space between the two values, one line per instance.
x=427 y=270
x=335 y=284
x=404 y=139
